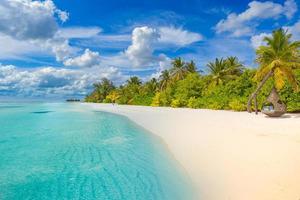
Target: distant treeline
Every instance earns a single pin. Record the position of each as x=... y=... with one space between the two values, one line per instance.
x=227 y=85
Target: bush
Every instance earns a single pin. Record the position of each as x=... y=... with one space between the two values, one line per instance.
x=193 y=103
x=176 y=103
x=237 y=105
x=156 y=100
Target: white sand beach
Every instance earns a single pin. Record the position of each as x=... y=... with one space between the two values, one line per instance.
x=229 y=155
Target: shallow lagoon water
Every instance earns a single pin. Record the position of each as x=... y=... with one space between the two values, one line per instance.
x=68 y=151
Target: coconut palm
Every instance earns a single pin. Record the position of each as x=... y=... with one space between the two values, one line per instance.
x=134 y=81
x=223 y=69
x=165 y=79
x=103 y=88
x=235 y=65
x=178 y=70
x=277 y=59
x=151 y=86
x=217 y=71
x=191 y=67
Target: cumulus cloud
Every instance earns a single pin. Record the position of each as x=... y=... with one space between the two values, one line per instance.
x=31 y=26
x=87 y=59
x=245 y=23
x=49 y=81
x=11 y=48
x=178 y=36
x=27 y=19
x=145 y=40
x=141 y=50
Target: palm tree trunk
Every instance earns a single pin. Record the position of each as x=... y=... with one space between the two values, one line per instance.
x=255 y=93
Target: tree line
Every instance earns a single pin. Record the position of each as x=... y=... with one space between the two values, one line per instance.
x=228 y=84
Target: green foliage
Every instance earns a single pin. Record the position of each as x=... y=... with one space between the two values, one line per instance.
x=176 y=103
x=237 y=105
x=191 y=86
x=101 y=90
x=193 y=90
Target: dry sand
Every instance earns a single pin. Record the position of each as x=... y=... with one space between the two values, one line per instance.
x=228 y=155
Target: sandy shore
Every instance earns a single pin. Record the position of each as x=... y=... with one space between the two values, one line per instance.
x=229 y=155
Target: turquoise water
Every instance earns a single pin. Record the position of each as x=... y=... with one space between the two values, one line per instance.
x=69 y=151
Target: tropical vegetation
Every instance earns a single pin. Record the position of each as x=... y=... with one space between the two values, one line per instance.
x=225 y=84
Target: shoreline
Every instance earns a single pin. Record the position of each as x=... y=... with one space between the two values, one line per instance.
x=228 y=155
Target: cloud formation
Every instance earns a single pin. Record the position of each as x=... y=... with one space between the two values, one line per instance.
x=145 y=40
x=49 y=81
x=141 y=50
x=244 y=24
x=178 y=36
x=87 y=59
x=27 y=19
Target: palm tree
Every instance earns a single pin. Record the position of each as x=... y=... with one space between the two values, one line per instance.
x=224 y=69
x=277 y=59
x=235 y=65
x=178 y=70
x=191 y=67
x=165 y=79
x=217 y=71
x=151 y=86
x=134 y=81
x=103 y=89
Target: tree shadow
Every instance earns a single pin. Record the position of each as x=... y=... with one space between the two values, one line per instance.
x=285 y=116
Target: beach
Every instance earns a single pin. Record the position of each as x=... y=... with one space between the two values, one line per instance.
x=228 y=155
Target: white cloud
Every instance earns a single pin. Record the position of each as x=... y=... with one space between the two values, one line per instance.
x=78 y=32
x=60 y=48
x=49 y=81
x=27 y=19
x=145 y=40
x=178 y=36
x=11 y=48
x=245 y=23
x=258 y=40
x=30 y=27
x=87 y=59
x=141 y=50
x=290 y=8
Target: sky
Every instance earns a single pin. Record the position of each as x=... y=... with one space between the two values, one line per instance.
x=57 y=49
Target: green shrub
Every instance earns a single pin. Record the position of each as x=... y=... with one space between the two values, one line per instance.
x=237 y=105
x=176 y=103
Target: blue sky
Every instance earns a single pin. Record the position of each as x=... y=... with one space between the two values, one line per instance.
x=57 y=49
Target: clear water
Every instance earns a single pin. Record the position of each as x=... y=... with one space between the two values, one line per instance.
x=68 y=151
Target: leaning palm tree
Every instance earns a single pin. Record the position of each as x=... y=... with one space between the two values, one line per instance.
x=277 y=59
